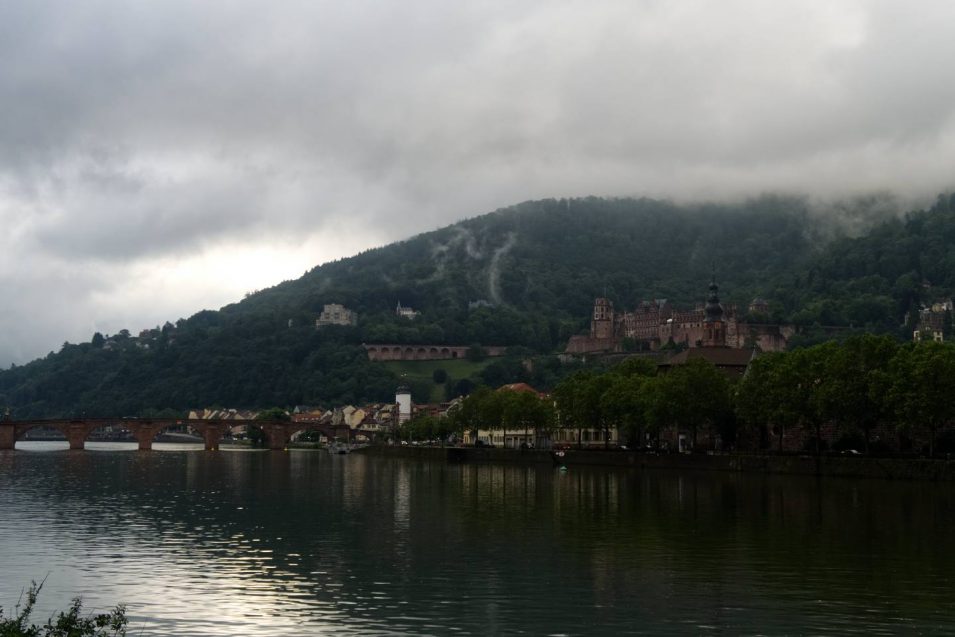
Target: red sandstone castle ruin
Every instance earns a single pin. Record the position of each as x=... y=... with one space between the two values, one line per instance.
x=653 y=324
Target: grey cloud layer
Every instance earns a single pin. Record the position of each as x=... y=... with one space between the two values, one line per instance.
x=137 y=130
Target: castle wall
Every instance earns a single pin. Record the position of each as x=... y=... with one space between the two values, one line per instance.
x=589 y=344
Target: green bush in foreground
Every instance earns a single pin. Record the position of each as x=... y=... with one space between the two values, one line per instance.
x=64 y=624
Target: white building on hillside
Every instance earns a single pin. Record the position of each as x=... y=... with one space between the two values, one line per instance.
x=405 y=312
x=335 y=314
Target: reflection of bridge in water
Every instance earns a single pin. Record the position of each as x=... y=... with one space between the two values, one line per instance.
x=278 y=433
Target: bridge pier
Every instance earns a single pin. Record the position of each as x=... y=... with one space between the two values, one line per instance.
x=212 y=435
x=76 y=433
x=145 y=432
x=278 y=437
x=8 y=435
x=144 y=436
x=344 y=431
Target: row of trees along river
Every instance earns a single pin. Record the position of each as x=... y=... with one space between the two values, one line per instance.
x=833 y=396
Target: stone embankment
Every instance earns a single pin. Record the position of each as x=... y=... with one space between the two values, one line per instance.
x=937 y=470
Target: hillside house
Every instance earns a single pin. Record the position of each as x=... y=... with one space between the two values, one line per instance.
x=336 y=314
x=405 y=312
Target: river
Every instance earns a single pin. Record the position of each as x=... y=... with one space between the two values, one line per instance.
x=306 y=543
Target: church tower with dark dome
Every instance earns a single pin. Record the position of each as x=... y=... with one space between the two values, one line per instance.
x=714 y=327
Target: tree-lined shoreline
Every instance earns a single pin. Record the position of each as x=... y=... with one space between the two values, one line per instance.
x=868 y=394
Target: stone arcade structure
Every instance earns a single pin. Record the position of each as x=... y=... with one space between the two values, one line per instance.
x=77 y=430
x=394 y=352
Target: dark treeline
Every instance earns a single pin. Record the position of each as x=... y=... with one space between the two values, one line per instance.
x=523 y=277
x=630 y=397
x=869 y=394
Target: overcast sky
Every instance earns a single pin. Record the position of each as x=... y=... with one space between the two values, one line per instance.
x=158 y=158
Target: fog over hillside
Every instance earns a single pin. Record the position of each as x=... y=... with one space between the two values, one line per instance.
x=160 y=158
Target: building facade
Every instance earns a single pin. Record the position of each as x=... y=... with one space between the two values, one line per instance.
x=335 y=314
x=405 y=312
x=653 y=324
x=934 y=321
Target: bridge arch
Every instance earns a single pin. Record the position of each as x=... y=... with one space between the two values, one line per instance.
x=173 y=431
x=297 y=428
x=110 y=431
x=251 y=430
x=43 y=432
x=23 y=429
x=74 y=430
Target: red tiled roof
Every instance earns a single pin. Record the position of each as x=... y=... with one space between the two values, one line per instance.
x=519 y=387
x=719 y=356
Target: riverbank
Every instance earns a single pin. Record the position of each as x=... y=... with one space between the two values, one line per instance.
x=833 y=466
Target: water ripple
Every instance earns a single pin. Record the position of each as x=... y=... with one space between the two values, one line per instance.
x=306 y=543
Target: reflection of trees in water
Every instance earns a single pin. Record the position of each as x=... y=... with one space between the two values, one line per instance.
x=836 y=537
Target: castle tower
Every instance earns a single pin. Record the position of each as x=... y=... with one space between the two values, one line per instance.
x=714 y=327
x=601 y=325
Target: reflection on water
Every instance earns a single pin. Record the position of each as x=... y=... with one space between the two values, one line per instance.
x=92 y=445
x=301 y=543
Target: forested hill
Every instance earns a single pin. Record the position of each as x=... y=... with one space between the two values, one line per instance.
x=878 y=280
x=552 y=257
x=538 y=265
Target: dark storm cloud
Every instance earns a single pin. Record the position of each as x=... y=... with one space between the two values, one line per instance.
x=141 y=136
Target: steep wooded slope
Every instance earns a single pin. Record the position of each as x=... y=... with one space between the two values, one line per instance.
x=539 y=263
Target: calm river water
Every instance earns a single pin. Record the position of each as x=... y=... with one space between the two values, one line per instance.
x=305 y=543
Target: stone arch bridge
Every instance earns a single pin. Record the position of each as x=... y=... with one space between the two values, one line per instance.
x=278 y=433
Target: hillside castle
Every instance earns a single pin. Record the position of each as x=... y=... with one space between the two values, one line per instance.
x=654 y=324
